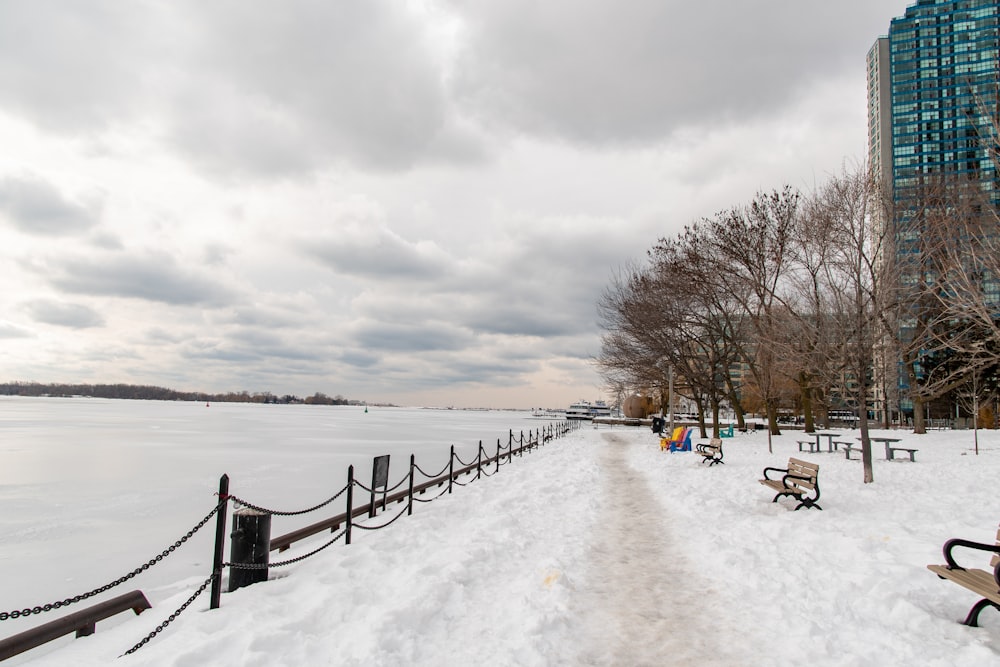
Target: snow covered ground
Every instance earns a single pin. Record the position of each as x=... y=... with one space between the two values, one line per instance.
x=599 y=549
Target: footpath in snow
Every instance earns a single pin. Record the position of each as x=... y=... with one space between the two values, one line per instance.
x=599 y=549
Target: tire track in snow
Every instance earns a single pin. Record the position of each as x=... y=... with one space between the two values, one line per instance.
x=642 y=601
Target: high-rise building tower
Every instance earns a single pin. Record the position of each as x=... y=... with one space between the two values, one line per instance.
x=932 y=129
x=932 y=95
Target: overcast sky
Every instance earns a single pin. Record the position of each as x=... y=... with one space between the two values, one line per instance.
x=411 y=201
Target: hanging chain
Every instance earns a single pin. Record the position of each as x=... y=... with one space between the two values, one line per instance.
x=161 y=626
x=97 y=591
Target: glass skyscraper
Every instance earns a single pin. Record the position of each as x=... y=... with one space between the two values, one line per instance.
x=933 y=106
x=932 y=95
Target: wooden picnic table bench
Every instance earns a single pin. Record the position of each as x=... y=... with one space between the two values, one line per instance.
x=980 y=582
x=711 y=451
x=799 y=480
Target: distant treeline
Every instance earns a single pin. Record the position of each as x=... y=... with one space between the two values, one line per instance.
x=150 y=393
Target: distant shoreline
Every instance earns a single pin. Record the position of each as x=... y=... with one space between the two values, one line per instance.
x=154 y=393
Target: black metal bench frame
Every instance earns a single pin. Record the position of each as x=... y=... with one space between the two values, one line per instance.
x=952 y=571
x=711 y=451
x=792 y=490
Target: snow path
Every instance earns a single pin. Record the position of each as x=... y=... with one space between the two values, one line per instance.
x=644 y=593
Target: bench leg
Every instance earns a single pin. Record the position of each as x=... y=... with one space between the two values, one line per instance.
x=972 y=619
x=913 y=456
x=808 y=504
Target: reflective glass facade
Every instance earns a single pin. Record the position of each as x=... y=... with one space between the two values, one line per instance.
x=944 y=69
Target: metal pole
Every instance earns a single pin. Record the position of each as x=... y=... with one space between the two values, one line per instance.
x=451 y=467
x=670 y=396
x=498 y=455
x=220 y=543
x=409 y=506
x=350 y=504
x=479 y=460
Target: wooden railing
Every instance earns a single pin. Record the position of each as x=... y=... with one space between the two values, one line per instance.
x=83 y=622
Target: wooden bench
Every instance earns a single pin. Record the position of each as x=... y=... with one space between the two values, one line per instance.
x=980 y=582
x=711 y=451
x=799 y=480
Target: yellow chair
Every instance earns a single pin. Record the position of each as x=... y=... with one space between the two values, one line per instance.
x=678 y=434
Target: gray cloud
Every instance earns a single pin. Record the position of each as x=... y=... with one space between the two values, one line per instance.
x=72 y=66
x=286 y=87
x=612 y=72
x=70 y=315
x=411 y=337
x=376 y=252
x=151 y=276
x=35 y=206
x=11 y=330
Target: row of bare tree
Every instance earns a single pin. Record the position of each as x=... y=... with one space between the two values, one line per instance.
x=816 y=300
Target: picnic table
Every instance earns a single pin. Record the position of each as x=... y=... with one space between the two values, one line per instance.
x=890 y=451
x=829 y=435
x=818 y=446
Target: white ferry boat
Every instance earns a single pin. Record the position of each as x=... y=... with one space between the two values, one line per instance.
x=579 y=410
x=588 y=410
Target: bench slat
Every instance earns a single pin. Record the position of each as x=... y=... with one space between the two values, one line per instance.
x=812 y=468
x=979 y=582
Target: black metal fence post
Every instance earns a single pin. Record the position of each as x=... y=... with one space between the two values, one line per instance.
x=498 y=455
x=220 y=543
x=409 y=505
x=349 y=519
x=479 y=460
x=451 y=467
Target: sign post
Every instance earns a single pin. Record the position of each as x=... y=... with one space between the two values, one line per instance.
x=380 y=478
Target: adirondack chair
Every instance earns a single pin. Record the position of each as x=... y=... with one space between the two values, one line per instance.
x=677 y=435
x=683 y=443
x=679 y=441
x=726 y=432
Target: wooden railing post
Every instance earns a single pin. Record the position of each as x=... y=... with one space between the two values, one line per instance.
x=220 y=543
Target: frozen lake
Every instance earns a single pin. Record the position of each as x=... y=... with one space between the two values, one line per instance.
x=90 y=489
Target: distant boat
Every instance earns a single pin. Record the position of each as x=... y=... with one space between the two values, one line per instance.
x=588 y=410
x=601 y=409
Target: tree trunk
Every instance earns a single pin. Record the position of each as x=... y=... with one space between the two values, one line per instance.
x=806 y=394
x=866 y=447
x=772 y=418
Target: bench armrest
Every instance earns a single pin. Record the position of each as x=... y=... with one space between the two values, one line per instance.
x=784 y=471
x=951 y=544
x=802 y=477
